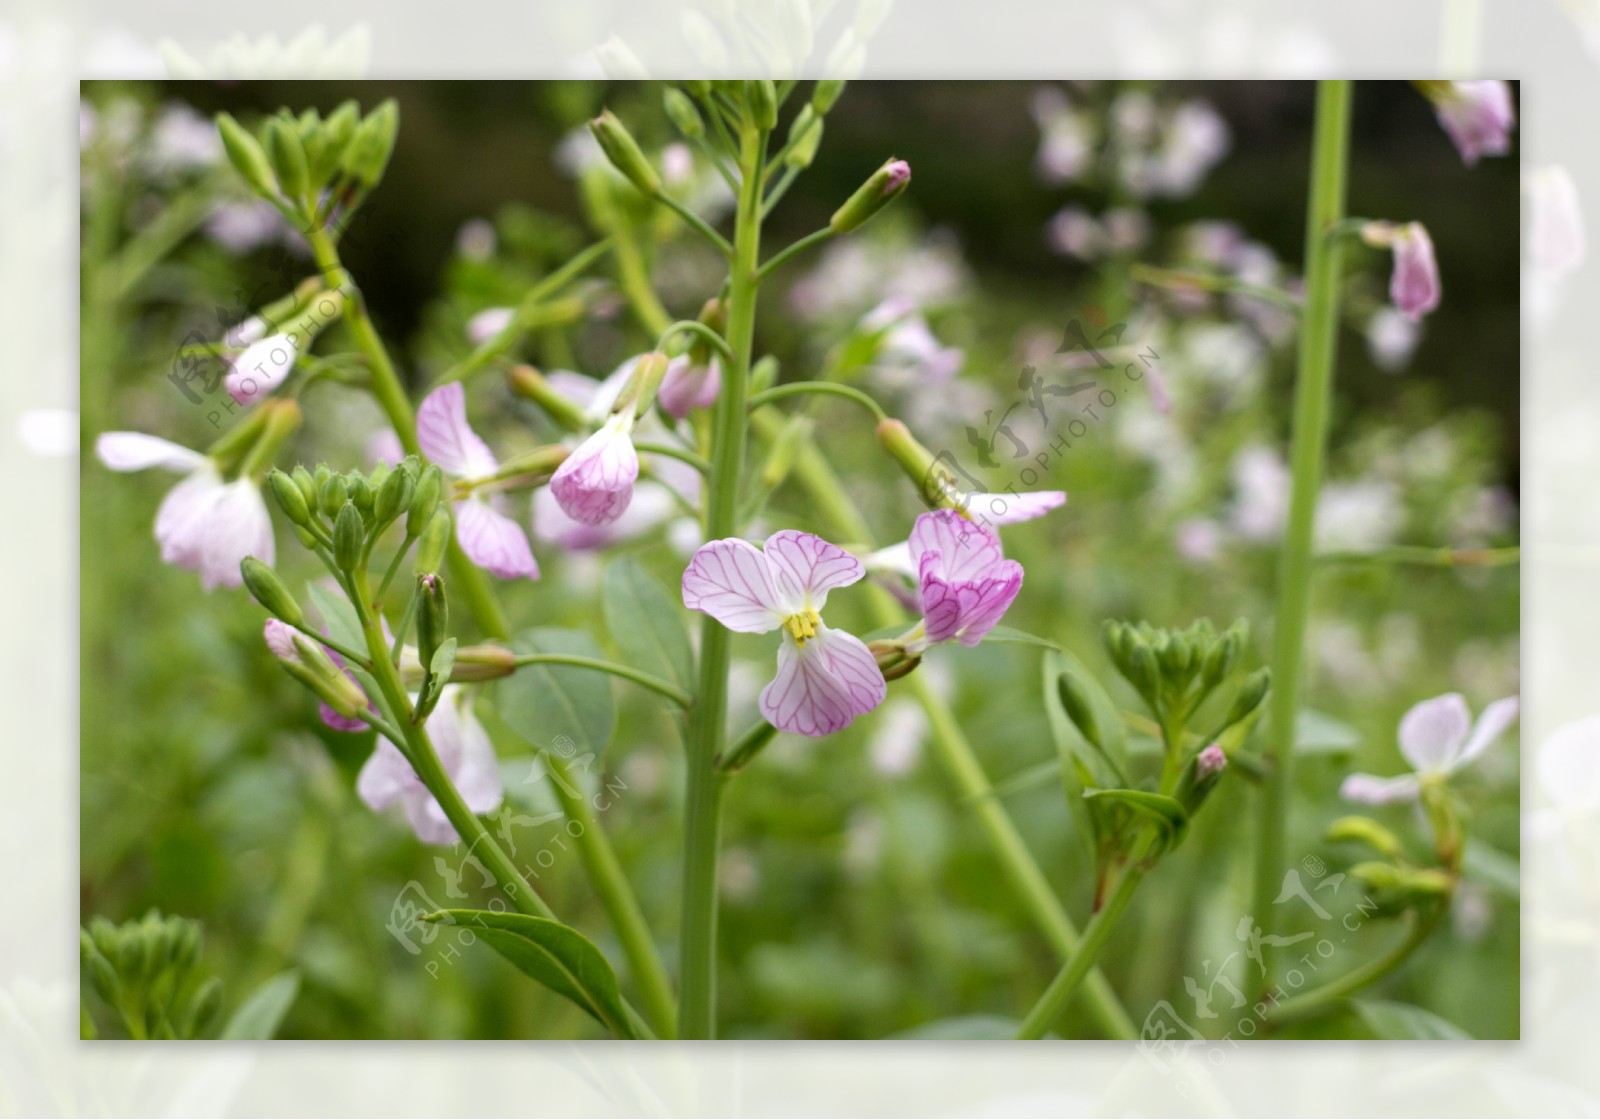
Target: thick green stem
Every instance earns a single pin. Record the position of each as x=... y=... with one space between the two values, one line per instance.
x=1056 y=997
x=1313 y=388
x=707 y=728
x=605 y=873
x=954 y=753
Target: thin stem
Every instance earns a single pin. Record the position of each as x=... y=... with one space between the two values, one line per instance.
x=394 y=566
x=654 y=684
x=1313 y=388
x=823 y=388
x=696 y=222
x=1061 y=990
x=606 y=875
x=682 y=454
x=695 y=326
x=1210 y=282
x=334 y=644
x=707 y=728
x=800 y=246
x=1423 y=557
x=781 y=188
x=1310 y=1004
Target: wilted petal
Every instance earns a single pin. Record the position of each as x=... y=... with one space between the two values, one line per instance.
x=1414 y=287
x=822 y=686
x=447 y=438
x=1478 y=116
x=595 y=483
x=1490 y=726
x=261 y=368
x=338 y=722
x=805 y=568
x=279 y=637
x=687 y=386
x=1370 y=789
x=493 y=541
x=1433 y=733
x=238 y=526
x=731 y=581
x=1007 y=509
x=135 y=451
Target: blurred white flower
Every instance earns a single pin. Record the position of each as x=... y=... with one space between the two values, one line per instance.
x=183 y=140
x=1392 y=338
x=1199 y=540
x=1196 y=138
x=1358 y=516
x=1556 y=235
x=476 y=240
x=897 y=737
x=1260 y=494
x=1437 y=738
x=468 y=759
x=1073 y=232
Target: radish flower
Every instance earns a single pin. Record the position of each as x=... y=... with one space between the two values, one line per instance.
x=204 y=524
x=261 y=368
x=689 y=385
x=595 y=483
x=490 y=539
x=1437 y=737
x=964 y=582
x=826 y=677
x=1478 y=116
x=1414 y=288
x=468 y=758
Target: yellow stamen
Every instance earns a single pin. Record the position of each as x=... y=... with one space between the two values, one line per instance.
x=802 y=625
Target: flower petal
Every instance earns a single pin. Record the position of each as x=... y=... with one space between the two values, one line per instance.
x=493 y=541
x=261 y=368
x=805 y=567
x=595 y=483
x=1414 y=286
x=136 y=451
x=237 y=526
x=466 y=751
x=966 y=609
x=966 y=550
x=447 y=438
x=181 y=521
x=1433 y=733
x=687 y=386
x=385 y=777
x=1007 y=509
x=731 y=581
x=1369 y=789
x=822 y=686
x=1490 y=726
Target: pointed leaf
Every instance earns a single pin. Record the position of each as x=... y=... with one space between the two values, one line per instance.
x=259 y=1017
x=647 y=624
x=547 y=703
x=1388 y=1019
x=557 y=956
x=338 y=616
x=1167 y=814
x=1011 y=634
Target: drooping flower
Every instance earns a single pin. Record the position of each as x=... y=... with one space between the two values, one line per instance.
x=825 y=677
x=468 y=758
x=964 y=582
x=491 y=540
x=261 y=368
x=1477 y=115
x=204 y=524
x=689 y=385
x=1556 y=242
x=595 y=483
x=1414 y=287
x=1437 y=737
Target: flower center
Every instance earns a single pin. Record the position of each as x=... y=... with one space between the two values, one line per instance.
x=802 y=625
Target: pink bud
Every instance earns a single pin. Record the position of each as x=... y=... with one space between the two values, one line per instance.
x=1478 y=116
x=1414 y=287
x=897 y=173
x=688 y=385
x=1210 y=761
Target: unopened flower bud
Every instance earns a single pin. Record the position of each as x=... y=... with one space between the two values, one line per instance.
x=331 y=495
x=307 y=484
x=247 y=156
x=1364 y=830
x=360 y=491
x=288 y=157
x=1076 y=703
x=429 y=492
x=483 y=663
x=1251 y=693
x=268 y=590
x=433 y=615
x=290 y=498
x=368 y=154
x=881 y=188
x=349 y=534
x=313 y=668
x=805 y=137
x=681 y=111
x=762 y=95
x=623 y=152
x=395 y=491
x=639 y=393
x=435 y=539
x=825 y=93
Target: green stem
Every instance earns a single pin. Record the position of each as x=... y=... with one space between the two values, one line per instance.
x=654 y=684
x=606 y=875
x=1056 y=997
x=696 y=222
x=800 y=246
x=1318 y=1000
x=1313 y=388
x=707 y=728
x=953 y=751
x=821 y=388
x=695 y=326
x=1424 y=557
x=682 y=454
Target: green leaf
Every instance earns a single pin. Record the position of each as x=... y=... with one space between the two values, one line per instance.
x=1169 y=816
x=980 y=1027
x=1388 y=1019
x=546 y=703
x=259 y=1017
x=338 y=616
x=1493 y=868
x=1010 y=634
x=557 y=956
x=444 y=660
x=647 y=624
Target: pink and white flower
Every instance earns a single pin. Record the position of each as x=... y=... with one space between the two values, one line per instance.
x=204 y=524
x=1478 y=116
x=1414 y=287
x=964 y=582
x=825 y=677
x=261 y=368
x=1438 y=738
x=486 y=324
x=468 y=758
x=595 y=483
x=687 y=385
x=491 y=540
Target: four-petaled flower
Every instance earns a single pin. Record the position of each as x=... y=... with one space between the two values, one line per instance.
x=964 y=582
x=468 y=758
x=204 y=524
x=1437 y=737
x=826 y=677
x=490 y=539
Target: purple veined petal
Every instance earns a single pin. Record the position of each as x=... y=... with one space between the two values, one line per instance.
x=237 y=526
x=1490 y=726
x=136 y=451
x=595 y=483
x=805 y=568
x=493 y=541
x=1008 y=509
x=1433 y=732
x=1414 y=287
x=181 y=522
x=447 y=438
x=966 y=550
x=262 y=367
x=731 y=581
x=822 y=686
x=279 y=637
x=1369 y=789
x=966 y=610
x=687 y=386
x=385 y=777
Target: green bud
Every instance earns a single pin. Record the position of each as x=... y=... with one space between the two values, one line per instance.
x=435 y=539
x=337 y=132
x=326 y=680
x=825 y=93
x=639 y=392
x=104 y=976
x=433 y=615
x=1143 y=672
x=762 y=96
x=882 y=187
x=681 y=111
x=1251 y=692
x=1364 y=830
x=286 y=492
x=186 y=943
x=268 y=590
x=246 y=154
x=107 y=937
x=623 y=152
x=393 y=495
x=288 y=155
x=331 y=495
x=1079 y=708
x=483 y=663
x=425 y=500
x=360 y=491
x=204 y=1007
x=349 y=534
x=368 y=154
x=764 y=375
x=805 y=137
x=308 y=486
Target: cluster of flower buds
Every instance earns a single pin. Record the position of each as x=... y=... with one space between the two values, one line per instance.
x=309 y=164
x=143 y=970
x=344 y=514
x=1176 y=671
x=1393 y=881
